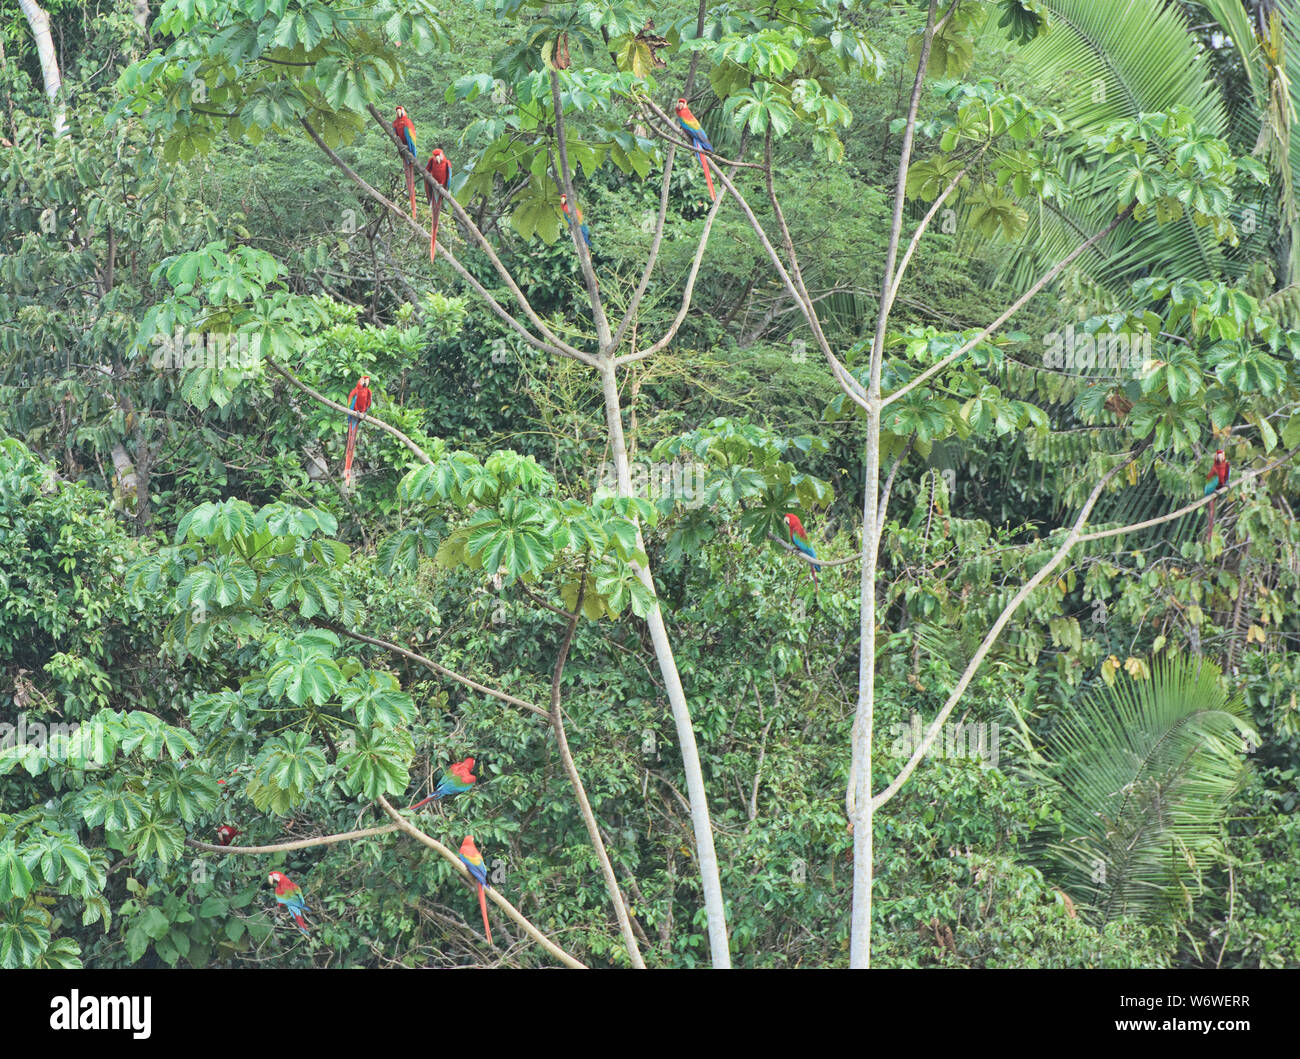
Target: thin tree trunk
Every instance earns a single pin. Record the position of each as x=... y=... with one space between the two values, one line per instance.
x=580 y=792
x=127 y=480
x=864 y=718
x=39 y=22
x=706 y=857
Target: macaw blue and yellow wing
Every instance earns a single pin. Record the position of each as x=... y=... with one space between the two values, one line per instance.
x=695 y=133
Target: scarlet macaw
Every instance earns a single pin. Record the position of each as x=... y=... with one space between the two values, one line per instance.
x=1216 y=480
x=227 y=834
x=695 y=133
x=456 y=780
x=440 y=169
x=582 y=226
x=800 y=540
x=289 y=894
x=359 y=401
x=404 y=130
x=473 y=860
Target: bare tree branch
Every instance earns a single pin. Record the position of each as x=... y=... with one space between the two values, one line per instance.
x=579 y=244
x=932 y=733
x=634 y=302
x=301 y=843
x=580 y=792
x=458 y=210
x=1015 y=307
x=510 y=910
x=501 y=312
x=429 y=663
x=420 y=454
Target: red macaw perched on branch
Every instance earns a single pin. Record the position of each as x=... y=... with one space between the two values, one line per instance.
x=1217 y=479
x=799 y=538
x=473 y=860
x=695 y=133
x=226 y=834
x=440 y=169
x=456 y=780
x=359 y=401
x=582 y=225
x=289 y=894
x=404 y=130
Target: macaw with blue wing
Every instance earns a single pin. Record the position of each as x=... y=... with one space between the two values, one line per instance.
x=289 y=894
x=695 y=133
x=1216 y=480
x=799 y=538
x=404 y=130
x=456 y=780
x=582 y=225
x=473 y=861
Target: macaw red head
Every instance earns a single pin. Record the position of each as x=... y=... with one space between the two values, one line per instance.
x=365 y=381
x=1219 y=456
x=467 y=847
x=276 y=878
x=564 y=200
x=226 y=834
x=438 y=157
x=681 y=104
x=793 y=523
x=401 y=111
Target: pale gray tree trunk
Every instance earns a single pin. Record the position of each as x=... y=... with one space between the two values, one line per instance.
x=39 y=22
x=706 y=856
x=864 y=718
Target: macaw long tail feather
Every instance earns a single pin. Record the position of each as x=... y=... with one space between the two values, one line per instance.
x=482 y=904
x=410 y=187
x=708 y=177
x=352 y=445
x=301 y=924
x=1209 y=526
x=433 y=230
x=432 y=798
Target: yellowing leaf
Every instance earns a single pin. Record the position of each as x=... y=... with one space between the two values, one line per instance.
x=1136 y=668
x=1108 y=670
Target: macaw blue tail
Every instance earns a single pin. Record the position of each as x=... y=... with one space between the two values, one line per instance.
x=807 y=550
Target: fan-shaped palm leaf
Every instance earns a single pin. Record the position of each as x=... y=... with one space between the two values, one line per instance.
x=1143 y=773
x=1264 y=119
x=1112 y=60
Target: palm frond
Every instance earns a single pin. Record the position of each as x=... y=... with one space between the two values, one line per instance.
x=1143 y=773
x=1113 y=60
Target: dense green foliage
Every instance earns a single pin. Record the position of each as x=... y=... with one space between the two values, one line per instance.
x=188 y=590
